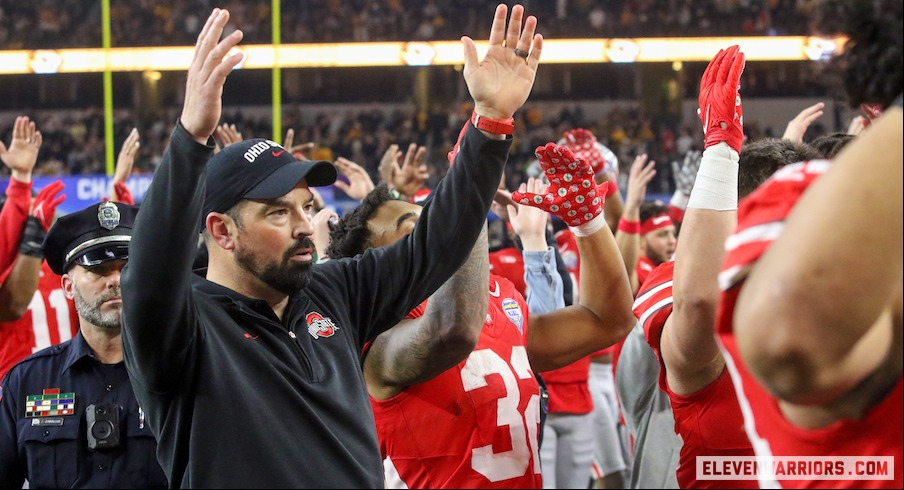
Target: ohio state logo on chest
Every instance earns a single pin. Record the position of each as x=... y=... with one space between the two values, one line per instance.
x=318 y=326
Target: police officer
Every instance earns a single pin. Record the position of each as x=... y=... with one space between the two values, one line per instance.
x=68 y=416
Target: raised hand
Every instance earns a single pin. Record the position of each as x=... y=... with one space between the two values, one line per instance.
x=797 y=127
x=720 y=103
x=323 y=222
x=857 y=125
x=585 y=146
x=572 y=195
x=406 y=174
x=43 y=210
x=46 y=203
x=206 y=75
x=529 y=222
x=22 y=154
x=639 y=177
x=388 y=164
x=501 y=82
x=289 y=140
x=414 y=173
x=227 y=134
x=124 y=164
x=301 y=150
x=359 y=181
x=685 y=173
x=125 y=161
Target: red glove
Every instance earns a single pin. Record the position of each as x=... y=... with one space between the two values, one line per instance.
x=46 y=203
x=584 y=146
x=123 y=194
x=572 y=195
x=720 y=102
x=872 y=111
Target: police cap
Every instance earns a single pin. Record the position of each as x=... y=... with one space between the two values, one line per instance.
x=89 y=237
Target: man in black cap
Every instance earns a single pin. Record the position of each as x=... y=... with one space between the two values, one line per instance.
x=251 y=377
x=68 y=415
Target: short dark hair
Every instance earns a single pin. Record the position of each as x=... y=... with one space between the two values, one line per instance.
x=760 y=159
x=351 y=235
x=870 y=65
x=235 y=212
x=652 y=208
x=830 y=144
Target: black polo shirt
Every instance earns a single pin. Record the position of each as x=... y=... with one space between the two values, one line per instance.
x=240 y=398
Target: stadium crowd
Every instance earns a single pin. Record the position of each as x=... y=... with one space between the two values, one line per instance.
x=76 y=23
x=74 y=139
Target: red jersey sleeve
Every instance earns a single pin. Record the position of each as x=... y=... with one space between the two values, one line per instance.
x=653 y=306
x=12 y=222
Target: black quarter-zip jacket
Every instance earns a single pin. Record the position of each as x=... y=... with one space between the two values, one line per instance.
x=238 y=398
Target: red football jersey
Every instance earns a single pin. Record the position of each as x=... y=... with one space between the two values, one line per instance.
x=709 y=421
x=568 y=249
x=644 y=267
x=475 y=425
x=50 y=319
x=569 y=389
x=13 y=215
x=509 y=263
x=761 y=217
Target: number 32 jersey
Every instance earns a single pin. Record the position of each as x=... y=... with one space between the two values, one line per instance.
x=476 y=424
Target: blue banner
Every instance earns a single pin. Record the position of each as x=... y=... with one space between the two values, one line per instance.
x=84 y=190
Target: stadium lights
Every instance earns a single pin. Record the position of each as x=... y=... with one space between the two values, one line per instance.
x=265 y=56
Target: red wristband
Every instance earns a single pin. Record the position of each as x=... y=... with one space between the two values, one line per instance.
x=494 y=126
x=613 y=188
x=632 y=227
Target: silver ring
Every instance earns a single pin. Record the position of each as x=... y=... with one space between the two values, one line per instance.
x=521 y=54
x=28 y=140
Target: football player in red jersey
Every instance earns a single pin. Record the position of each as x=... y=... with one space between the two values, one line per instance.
x=481 y=416
x=680 y=329
x=34 y=312
x=677 y=303
x=645 y=232
x=814 y=339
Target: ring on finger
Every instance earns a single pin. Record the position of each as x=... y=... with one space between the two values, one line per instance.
x=521 y=54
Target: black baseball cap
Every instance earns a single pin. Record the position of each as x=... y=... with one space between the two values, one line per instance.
x=96 y=234
x=258 y=169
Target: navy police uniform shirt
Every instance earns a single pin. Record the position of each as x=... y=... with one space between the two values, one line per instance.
x=44 y=427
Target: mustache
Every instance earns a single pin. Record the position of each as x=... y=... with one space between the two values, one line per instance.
x=304 y=242
x=113 y=293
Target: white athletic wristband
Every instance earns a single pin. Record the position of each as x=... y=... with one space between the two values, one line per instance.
x=590 y=227
x=716 y=185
